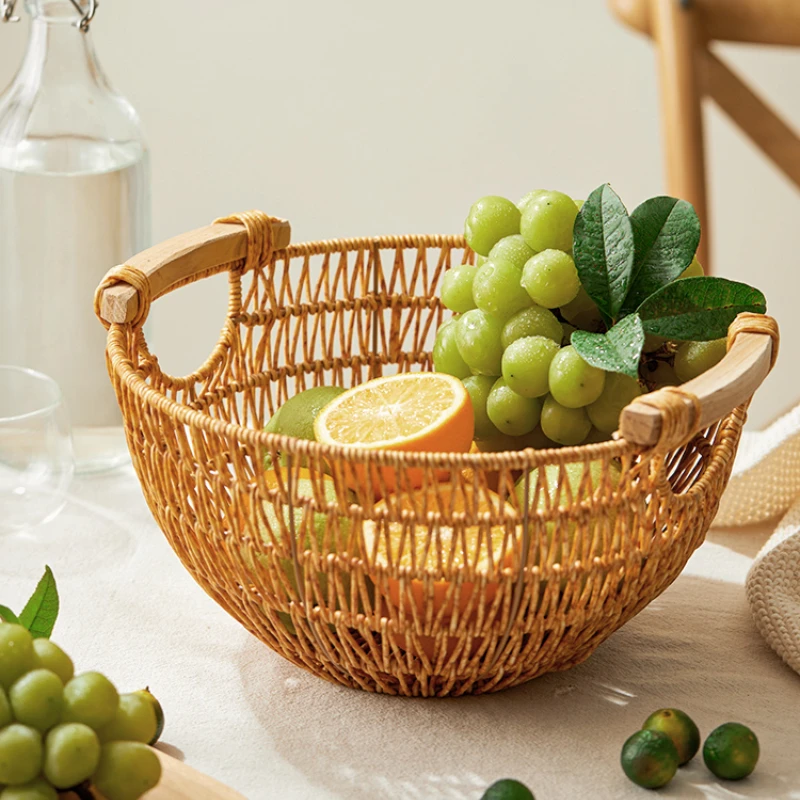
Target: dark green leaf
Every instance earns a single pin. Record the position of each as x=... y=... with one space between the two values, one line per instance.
x=698 y=309
x=7 y=615
x=616 y=351
x=603 y=249
x=41 y=611
x=666 y=232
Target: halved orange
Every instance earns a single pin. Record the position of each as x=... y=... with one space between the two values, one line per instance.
x=479 y=546
x=417 y=411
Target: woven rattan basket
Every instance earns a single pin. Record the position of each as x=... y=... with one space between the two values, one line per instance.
x=388 y=595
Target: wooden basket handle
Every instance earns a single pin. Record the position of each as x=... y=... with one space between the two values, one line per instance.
x=178 y=260
x=668 y=417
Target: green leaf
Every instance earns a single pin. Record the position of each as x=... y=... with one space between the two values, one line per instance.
x=698 y=309
x=603 y=249
x=616 y=351
x=41 y=611
x=666 y=232
x=7 y=615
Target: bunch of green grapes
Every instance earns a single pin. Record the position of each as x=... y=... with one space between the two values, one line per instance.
x=509 y=341
x=60 y=731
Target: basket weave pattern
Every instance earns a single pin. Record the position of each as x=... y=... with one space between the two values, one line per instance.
x=426 y=610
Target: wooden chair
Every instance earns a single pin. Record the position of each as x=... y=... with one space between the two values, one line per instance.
x=683 y=31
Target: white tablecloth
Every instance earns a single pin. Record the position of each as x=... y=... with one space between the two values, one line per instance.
x=242 y=714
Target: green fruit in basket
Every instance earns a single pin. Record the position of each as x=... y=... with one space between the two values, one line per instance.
x=508 y=789
x=551 y=279
x=37 y=789
x=582 y=312
x=489 y=220
x=596 y=437
x=547 y=222
x=478 y=388
x=569 y=426
x=20 y=754
x=694 y=358
x=6 y=717
x=579 y=204
x=511 y=249
x=731 y=751
x=91 y=699
x=497 y=289
x=511 y=413
x=526 y=201
x=533 y=321
x=649 y=759
x=694 y=270
x=619 y=390
x=16 y=651
x=478 y=338
x=446 y=357
x=71 y=755
x=456 y=289
x=573 y=382
x=135 y=721
x=159 y=712
x=566 y=333
x=37 y=698
x=127 y=770
x=526 y=364
x=50 y=656
x=296 y=416
x=575 y=475
x=680 y=727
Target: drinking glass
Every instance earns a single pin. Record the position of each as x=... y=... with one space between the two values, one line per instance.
x=36 y=461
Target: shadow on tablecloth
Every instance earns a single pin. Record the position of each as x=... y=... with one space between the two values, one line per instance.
x=694 y=648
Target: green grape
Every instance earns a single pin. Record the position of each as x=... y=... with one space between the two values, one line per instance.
x=456 y=290
x=573 y=382
x=50 y=656
x=551 y=279
x=568 y=426
x=16 y=652
x=6 y=717
x=159 y=712
x=583 y=313
x=446 y=357
x=596 y=437
x=567 y=331
x=579 y=204
x=694 y=358
x=478 y=388
x=480 y=260
x=548 y=221
x=512 y=413
x=526 y=364
x=659 y=374
x=135 y=721
x=533 y=321
x=478 y=339
x=72 y=753
x=618 y=391
x=536 y=439
x=525 y=201
x=37 y=698
x=90 y=698
x=20 y=754
x=499 y=443
x=497 y=289
x=652 y=343
x=127 y=770
x=489 y=220
x=694 y=270
x=37 y=789
x=511 y=249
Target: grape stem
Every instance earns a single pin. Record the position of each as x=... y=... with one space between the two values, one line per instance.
x=83 y=791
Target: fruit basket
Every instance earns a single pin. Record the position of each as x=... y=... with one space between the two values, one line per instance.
x=390 y=571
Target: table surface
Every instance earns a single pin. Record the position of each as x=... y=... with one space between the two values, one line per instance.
x=242 y=714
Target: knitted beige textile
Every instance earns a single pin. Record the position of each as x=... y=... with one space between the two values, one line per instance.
x=766 y=483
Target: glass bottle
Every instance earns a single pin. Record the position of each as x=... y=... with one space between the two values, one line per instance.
x=74 y=202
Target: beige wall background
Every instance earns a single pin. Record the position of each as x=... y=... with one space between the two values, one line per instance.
x=356 y=117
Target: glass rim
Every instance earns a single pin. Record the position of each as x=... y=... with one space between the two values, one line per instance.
x=40 y=376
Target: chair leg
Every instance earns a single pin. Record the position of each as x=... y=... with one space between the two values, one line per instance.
x=677 y=38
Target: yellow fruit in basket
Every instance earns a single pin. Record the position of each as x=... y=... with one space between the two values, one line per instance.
x=417 y=411
x=469 y=548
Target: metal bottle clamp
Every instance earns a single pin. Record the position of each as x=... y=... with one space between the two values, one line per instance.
x=87 y=14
